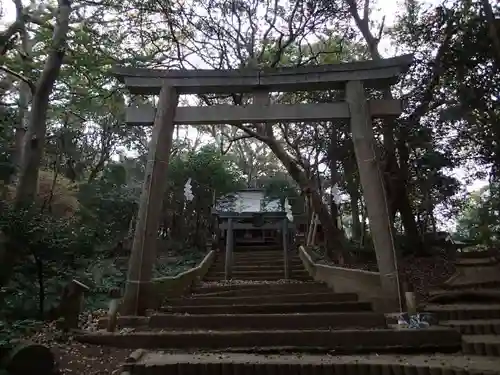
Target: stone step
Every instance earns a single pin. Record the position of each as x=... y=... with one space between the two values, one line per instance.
x=263 y=258
x=464 y=311
x=258 y=274
x=271 y=308
x=252 y=300
x=250 y=257
x=160 y=363
x=266 y=287
x=487 y=345
x=342 y=341
x=258 y=266
x=255 y=257
x=366 y=320
x=272 y=265
x=253 y=254
x=479 y=254
x=251 y=260
x=258 y=247
x=474 y=327
x=258 y=260
x=300 y=277
x=443 y=297
x=252 y=250
x=472 y=285
x=250 y=268
x=477 y=262
x=260 y=291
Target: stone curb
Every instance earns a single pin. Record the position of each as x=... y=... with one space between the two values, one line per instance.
x=276 y=308
x=474 y=327
x=484 y=345
x=300 y=369
x=459 y=312
x=250 y=300
x=348 y=341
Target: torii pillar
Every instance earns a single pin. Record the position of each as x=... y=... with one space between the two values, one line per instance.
x=374 y=193
x=139 y=287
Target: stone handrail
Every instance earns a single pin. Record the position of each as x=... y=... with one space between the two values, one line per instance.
x=365 y=283
x=165 y=288
x=175 y=286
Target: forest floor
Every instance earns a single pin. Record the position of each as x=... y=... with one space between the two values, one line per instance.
x=77 y=358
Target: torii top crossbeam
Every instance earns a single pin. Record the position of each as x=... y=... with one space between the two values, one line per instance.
x=374 y=74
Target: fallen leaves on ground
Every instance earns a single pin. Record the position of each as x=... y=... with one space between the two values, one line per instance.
x=77 y=358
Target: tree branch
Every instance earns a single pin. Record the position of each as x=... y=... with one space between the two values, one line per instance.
x=363 y=25
x=6 y=36
x=235 y=139
x=20 y=77
x=437 y=69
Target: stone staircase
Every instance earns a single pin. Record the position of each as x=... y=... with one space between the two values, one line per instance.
x=258 y=263
x=470 y=302
x=239 y=326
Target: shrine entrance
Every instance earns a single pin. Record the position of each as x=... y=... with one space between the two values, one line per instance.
x=352 y=78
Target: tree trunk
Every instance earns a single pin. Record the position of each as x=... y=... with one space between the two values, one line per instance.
x=37 y=125
x=408 y=217
x=334 y=237
x=334 y=177
x=492 y=29
x=352 y=183
x=402 y=201
x=25 y=92
x=35 y=137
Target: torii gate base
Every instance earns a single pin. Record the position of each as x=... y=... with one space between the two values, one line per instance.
x=352 y=77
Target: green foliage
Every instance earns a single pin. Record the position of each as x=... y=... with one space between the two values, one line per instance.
x=10 y=331
x=479 y=221
x=207 y=168
x=279 y=187
x=54 y=250
x=7 y=118
x=50 y=248
x=111 y=201
x=212 y=175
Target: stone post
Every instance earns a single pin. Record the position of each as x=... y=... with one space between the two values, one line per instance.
x=139 y=288
x=228 y=263
x=373 y=191
x=285 y=248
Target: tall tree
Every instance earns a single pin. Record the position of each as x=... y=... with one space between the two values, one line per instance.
x=255 y=34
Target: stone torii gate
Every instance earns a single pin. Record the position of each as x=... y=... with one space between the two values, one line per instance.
x=353 y=78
